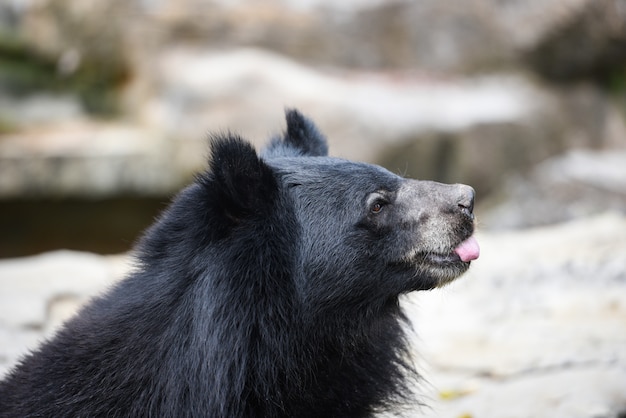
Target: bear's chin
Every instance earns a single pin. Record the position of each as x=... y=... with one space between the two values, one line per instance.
x=447 y=275
x=431 y=270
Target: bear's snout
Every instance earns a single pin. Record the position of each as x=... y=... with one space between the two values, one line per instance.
x=420 y=195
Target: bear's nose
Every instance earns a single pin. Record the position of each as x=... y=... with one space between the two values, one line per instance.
x=466 y=200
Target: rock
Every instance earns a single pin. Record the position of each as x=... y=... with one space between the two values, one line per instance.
x=202 y=90
x=577 y=184
x=79 y=35
x=89 y=159
x=435 y=36
x=39 y=110
x=589 y=45
x=537 y=328
x=574 y=392
x=51 y=277
x=485 y=154
x=428 y=35
x=480 y=155
x=66 y=48
x=38 y=293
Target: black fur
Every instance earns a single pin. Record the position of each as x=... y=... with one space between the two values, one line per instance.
x=268 y=288
x=302 y=138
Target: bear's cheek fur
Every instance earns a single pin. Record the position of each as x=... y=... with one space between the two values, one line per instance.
x=406 y=234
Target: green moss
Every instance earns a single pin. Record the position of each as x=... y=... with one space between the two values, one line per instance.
x=23 y=71
x=6 y=126
x=617 y=81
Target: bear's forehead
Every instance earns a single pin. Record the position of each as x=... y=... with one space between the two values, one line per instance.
x=332 y=169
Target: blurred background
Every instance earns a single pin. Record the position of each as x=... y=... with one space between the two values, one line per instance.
x=106 y=106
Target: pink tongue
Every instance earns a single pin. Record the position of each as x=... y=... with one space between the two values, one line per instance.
x=468 y=250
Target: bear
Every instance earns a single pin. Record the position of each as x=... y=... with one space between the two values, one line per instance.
x=268 y=288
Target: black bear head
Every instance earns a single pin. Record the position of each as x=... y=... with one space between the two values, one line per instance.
x=359 y=233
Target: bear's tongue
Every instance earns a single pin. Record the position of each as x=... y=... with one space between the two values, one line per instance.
x=468 y=250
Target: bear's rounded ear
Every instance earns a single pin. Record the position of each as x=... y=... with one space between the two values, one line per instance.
x=242 y=184
x=302 y=138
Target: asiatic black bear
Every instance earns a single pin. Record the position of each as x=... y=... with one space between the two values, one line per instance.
x=268 y=288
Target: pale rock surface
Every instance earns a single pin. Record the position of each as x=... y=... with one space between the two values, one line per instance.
x=199 y=89
x=89 y=159
x=537 y=328
x=38 y=293
x=576 y=184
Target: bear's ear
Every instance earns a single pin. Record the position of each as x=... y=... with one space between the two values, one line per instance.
x=302 y=138
x=243 y=184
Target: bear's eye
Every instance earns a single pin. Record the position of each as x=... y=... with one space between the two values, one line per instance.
x=377 y=206
x=376 y=202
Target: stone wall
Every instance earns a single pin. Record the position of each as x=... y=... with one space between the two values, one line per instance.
x=426 y=88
